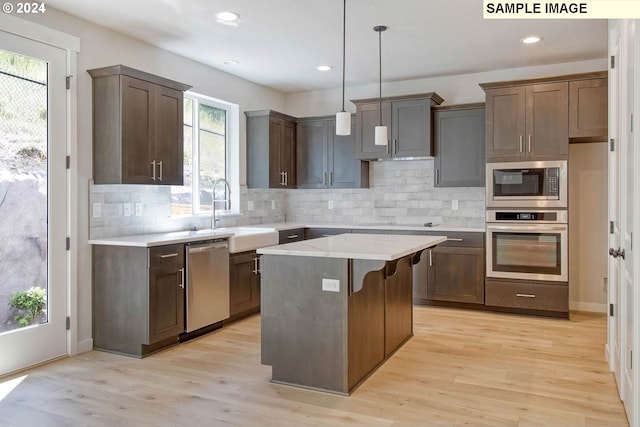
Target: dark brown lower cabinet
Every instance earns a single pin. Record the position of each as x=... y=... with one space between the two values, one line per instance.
x=453 y=271
x=138 y=298
x=550 y=298
x=244 y=284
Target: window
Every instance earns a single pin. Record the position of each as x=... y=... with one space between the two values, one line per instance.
x=207 y=136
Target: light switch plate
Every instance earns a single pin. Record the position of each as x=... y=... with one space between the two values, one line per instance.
x=138 y=208
x=330 y=204
x=126 y=209
x=273 y=204
x=331 y=285
x=454 y=205
x=251 y=205
x=97 y=210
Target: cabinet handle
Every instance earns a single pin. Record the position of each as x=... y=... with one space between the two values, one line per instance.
x=324 y=178
x=181 y=278
x=330 y=178
x=388 y=149
x=286 y=179
x=520 y=143
x=256 y=267
x=153 y=169
x=526 y=295
x=437 y=176
x=454 y=240
x=168 y=255
x=395 y=145
x=529 y=144
x=292 y=236
x=160 y=166
x=282 y=178
x=430 y=259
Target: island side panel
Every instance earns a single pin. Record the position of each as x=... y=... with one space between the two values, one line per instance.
x=304 y=329
x=398 y=304
x=366 y=323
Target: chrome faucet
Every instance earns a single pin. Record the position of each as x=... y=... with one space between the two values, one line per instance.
x=227 y=201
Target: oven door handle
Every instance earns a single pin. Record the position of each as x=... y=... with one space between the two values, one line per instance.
x=532 y=227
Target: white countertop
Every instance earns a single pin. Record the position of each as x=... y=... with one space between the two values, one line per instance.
x=158 y=239
x=281 y=226
x=382 y=247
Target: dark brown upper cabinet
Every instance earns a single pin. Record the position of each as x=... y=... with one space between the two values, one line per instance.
x=458 y=146
x=271 y=149
x=527 y=122
x=137 y=127
x=589 y=110
x=327 y=160
x=408 y=119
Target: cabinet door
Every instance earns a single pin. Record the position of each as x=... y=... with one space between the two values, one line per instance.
x=588 y=109
x=244 y=283
x=342 y=162
x=138 y=131
x=311 y=152
x=505 y=123
x=166 y=303
x=411 y=128
x=547 y=136
x=288 y=153
x=459 y=148
x=368 y=117
x=457 y=275
x=168 y=149
x=276 y=130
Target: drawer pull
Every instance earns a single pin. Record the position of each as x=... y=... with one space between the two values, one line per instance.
x=454 y=240
x=181 y=284
x=292 y=236
x=256 y=266
x=168 y=255
x=526 y=295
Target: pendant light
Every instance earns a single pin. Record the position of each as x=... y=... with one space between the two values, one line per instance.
x=381 y=131
x=343 y=118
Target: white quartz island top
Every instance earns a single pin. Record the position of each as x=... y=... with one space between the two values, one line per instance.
x=158 y=239
x=381 y=247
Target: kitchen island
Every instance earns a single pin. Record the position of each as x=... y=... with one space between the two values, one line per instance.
x=335 y=308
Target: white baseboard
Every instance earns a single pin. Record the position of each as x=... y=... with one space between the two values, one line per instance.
x=85 y=345
x=588 y=306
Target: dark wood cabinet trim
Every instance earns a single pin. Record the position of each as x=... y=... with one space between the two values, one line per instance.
x=141 y=75
x=432 y=95
x=470 y=106
x=562 y=78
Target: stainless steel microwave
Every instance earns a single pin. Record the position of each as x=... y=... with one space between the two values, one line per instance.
x=541 y=184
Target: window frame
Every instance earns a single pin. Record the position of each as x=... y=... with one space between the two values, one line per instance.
x=232 y=155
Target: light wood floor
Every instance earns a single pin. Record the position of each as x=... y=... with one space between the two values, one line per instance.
x=462 y=368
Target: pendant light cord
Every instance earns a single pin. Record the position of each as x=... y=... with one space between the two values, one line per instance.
x=344 y=31
x=380 y=68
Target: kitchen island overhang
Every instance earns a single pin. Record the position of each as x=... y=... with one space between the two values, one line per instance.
x=334 y=309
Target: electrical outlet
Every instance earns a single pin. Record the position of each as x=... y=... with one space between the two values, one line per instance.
x=138 y=208
x=251 y=205
x=454 y=205
x=97 y=210
x=330 y=285
x=330 y=204
x=273 y=204
x=126 y=209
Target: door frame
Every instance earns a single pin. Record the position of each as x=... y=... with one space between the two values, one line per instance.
x=71 y=45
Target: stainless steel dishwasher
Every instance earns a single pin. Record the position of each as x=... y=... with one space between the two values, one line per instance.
x=207 y=283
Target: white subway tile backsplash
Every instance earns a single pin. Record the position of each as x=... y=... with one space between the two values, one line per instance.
x=401 y=192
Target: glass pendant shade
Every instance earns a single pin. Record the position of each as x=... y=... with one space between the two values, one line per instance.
x=343 y=123
x=381 y=135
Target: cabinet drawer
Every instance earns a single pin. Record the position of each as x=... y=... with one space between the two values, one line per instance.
x=532 y=296
x=288 y=236
x=164 y=255
x=466 y=239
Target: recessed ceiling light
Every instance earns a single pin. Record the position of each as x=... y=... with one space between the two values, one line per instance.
x=227 y=16
x=531 y=39
x=230 y=62
x=324 y=67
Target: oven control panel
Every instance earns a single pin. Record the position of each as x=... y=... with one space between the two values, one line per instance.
x=542 y=216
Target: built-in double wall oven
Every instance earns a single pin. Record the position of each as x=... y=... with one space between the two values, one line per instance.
x=527 y=227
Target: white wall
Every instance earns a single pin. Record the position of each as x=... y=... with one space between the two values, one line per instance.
x=588 y=226
x=459 y=89
x=101 y=47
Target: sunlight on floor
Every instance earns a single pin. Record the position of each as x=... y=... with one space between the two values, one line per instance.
x=8 y=386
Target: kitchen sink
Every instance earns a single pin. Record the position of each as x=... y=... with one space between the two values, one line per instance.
x=249 y=238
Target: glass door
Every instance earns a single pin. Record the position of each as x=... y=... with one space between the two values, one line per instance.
x=33 y=202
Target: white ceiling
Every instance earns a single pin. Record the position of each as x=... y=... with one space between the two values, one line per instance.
x=280 y=42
